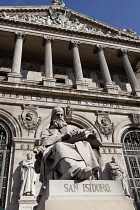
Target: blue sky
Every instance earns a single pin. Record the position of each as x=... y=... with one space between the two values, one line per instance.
x=119 y=13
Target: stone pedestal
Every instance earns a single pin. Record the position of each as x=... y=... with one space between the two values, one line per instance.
x=49 y=81
x=111 y=89
x=14 y=77
x=81 y=85
x=89 y=194
x=137 y=92
x=27 y=203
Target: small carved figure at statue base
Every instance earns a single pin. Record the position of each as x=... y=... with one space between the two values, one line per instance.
x=28 y=177
x=117 y=174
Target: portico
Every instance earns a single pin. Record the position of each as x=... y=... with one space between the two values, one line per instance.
x=75 y=58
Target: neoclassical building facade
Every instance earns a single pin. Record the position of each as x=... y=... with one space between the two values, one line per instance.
x=53 y=56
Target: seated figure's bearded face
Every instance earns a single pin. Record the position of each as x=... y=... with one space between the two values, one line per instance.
x=58 y=120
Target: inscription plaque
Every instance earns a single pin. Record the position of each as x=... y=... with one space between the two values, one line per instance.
x=87 y=187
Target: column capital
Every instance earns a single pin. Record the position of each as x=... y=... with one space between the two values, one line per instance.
x=74 y=43
x=47 y=39
x=98 y=48
x=19 y=35
x=121 y=52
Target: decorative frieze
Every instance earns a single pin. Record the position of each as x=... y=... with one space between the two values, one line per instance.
x=18 y=98
x=65 y=19
x=24 y=146
x=109 y=150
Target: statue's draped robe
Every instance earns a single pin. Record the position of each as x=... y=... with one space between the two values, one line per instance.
x=56 y=150
x=28 y=178
x=117 y=174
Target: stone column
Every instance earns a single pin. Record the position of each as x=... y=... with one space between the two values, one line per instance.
x=130 y=73
x=109 y=87
x=48 y=79
x=80 y=83
x=15 y=75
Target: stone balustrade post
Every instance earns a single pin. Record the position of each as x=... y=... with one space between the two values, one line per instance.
x=130 y=73
x=80 y=83
x=109 y=87
x=48 y=80
x=15 y=75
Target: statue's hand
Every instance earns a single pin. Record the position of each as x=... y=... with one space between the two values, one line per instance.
x=76 y=132
x=39 y=149
x=66 y=136
x=91 y=131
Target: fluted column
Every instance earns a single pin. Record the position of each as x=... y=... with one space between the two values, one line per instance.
x=48 y=80
x=109 y=87
x=15 y=75
x=130 y=73
x=80 y=83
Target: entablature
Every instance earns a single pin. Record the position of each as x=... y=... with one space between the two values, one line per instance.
x=27 y=93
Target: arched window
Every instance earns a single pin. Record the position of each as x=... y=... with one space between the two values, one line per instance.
x=5 y=148
x=131 y=151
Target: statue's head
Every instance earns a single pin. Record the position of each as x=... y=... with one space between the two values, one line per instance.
x=29 y=156
x=57 y=117
x=113 y=159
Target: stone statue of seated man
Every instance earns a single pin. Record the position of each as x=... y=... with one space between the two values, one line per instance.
x=66 y=152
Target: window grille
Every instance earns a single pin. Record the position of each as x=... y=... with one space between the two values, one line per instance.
x=131 y=151
x=5 y=148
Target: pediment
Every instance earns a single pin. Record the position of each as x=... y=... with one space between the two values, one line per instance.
x=60 y=17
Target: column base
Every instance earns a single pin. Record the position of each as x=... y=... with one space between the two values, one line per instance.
x=81 y=85
x=27 y=203
x=14 y=77
x=48 y=81
x=111 y=88
x=137 y=92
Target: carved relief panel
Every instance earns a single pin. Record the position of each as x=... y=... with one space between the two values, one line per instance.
x=29 y=118
x=104 y=123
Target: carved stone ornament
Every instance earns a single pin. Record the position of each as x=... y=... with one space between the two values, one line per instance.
x=29 y=118
x=136 y=119
x=57 y=3
x=57 y=17
x=104 y=123
x=68 y=112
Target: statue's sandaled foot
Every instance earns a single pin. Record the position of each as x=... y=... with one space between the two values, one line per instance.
x=85 y=173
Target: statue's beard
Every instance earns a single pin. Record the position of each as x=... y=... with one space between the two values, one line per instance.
x=59 y=123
